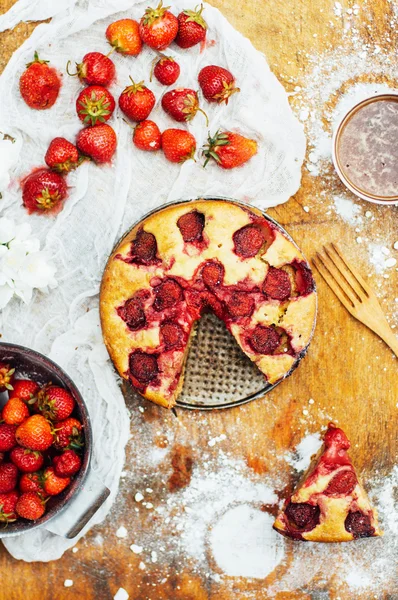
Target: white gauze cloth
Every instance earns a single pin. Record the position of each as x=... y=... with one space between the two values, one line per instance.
x=104 y=201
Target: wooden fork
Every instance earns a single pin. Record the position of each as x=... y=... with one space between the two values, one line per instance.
x=352 y=291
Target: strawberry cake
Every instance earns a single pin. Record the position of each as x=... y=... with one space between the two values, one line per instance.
x=193 y=257
x=329 y=505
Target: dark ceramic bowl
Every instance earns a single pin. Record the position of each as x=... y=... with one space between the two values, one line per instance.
x=33 y=365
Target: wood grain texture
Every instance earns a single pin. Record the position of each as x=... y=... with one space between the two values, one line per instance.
x=349 y=372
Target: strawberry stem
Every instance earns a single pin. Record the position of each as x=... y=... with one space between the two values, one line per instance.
x=67 y=70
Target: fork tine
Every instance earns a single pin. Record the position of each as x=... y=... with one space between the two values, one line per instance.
x=332 y=283
x=366 y=289
x=339 y=276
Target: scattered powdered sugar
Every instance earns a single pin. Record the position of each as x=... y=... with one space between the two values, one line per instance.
x=379 y=256
x=300 y=458
x=348 y=210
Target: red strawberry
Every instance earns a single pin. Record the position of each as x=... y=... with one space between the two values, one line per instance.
x=2 y=456
x=8 y=501
x=277 y=284
x=303 y=515
x=229 y=149
x=39 y=84
x=264 y=340
x=167 y=294
x=191 y=226
x=95 y=104
x=217 y=84
x=44 y=191
x=137 y=101
x=342 y=483
x=35 y=433
x=304 y=279
x=166 y=70
x=248 y=241
x=133 y=314
x=15 y=412
x=124 y=36
x=25 y=389
x=32 y=482
x=359 y=524
x=7 y=437
x=212 y=274
x=172 y=335
x=30 y=506
x=8 y=477
x=6 y=377
x=27 y=461
x=55 y=403
x=191 y=28
x=147 y=136
x=62 y=156
x=67 y=465
x=98 y=142
x=178 y=145
x=69 y=434
x=158 y=27
x=240 y=304
x=95 y=69
x=144 y=248
x=54 y=485
x=182 y=104
x=143 y=367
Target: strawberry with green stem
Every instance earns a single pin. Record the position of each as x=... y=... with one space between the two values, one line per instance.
x=62 y=156
x=158 y=27
x=43 y=192
x=95 y=69
x=8 y=501
x=182 y=104
x=39 y=84
x=137 y=101
x=95 y=104
x=191 y=28
x=229 y=149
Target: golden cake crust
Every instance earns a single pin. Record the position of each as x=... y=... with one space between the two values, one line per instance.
x=182 y=261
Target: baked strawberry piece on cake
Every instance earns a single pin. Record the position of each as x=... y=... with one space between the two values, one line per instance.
x=192 y=257
x=329 y=504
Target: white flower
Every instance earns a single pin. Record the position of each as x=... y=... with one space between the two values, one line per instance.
x=23 y=266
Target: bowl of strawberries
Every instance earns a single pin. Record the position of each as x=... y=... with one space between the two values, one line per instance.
x=45 y=440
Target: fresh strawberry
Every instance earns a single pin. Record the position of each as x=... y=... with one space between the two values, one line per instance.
x=124 y=36
x=182 y=104
x=54 y=485
x=25 y=389
x=229 y=149
x=55 y=403
x=44 y=191
x=137 y=101
x=8 y=501
x=191 y=28
x=217 y=84
x=166 y=70
x=8 y=477
x=62 y=156
x=35 y=433
x=147 y=136
x=69 y=434
x=98 y=142
x=67 y=464
x=32 y=482
x=95 y=69
x=15 y=412
x=178 y=145
x=6 y=377
x=95 y=104
x=7 y=437
x=158 y=27
x=39 y=84
x=27 y=461
x=30 y=506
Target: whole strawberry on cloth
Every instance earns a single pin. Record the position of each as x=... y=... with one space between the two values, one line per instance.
x=166 y=70
x=137 y=101
x=147 y=136
x=124 y=36
x=95 y=104
x=217 y=84
x=98 y=142
x=158 y=27
x=95 y=69
x=178 y=145
x=62 y=156
x=182 y=104
x=44 y=192
x=229 y=149
x=39 y=84
x=191 y=28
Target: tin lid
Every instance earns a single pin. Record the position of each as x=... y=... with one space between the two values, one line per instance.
x=365 y=149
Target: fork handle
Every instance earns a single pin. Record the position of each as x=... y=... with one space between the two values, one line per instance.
x=390 y=339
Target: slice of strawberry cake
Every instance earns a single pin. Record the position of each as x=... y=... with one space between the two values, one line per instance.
x=196 y=256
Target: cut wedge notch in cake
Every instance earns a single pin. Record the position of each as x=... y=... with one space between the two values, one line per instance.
x=329 y=503
x=193 y=257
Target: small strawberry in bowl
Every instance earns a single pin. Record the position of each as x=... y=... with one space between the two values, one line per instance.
x=67 y=464
x=55 y=403
x=35 y=433
x=6 y=377
x=43 y=192
x=32 y=482
x=182 y=104
x=14 y=412
x=62 y=156
x=7 y=437
x=217 y=84
x=26 y=461
x=147 y=136
x=124 y=37
x=8 y=477
x=30 y=506
x=24 y=389
x=166 y=70
x=39 y=84
x=229 y=150
x=137 y=101
x=178 y=145
x=95 y=104
x=8 y=502
x=97 y=142
x=54 y=485
x=95 y=69
x=69 y=434
x=191 y=28
x=158 y=27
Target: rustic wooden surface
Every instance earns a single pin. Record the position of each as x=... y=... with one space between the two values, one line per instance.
x=350 y=373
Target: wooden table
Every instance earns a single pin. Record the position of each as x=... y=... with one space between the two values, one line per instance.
x=349 y=372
